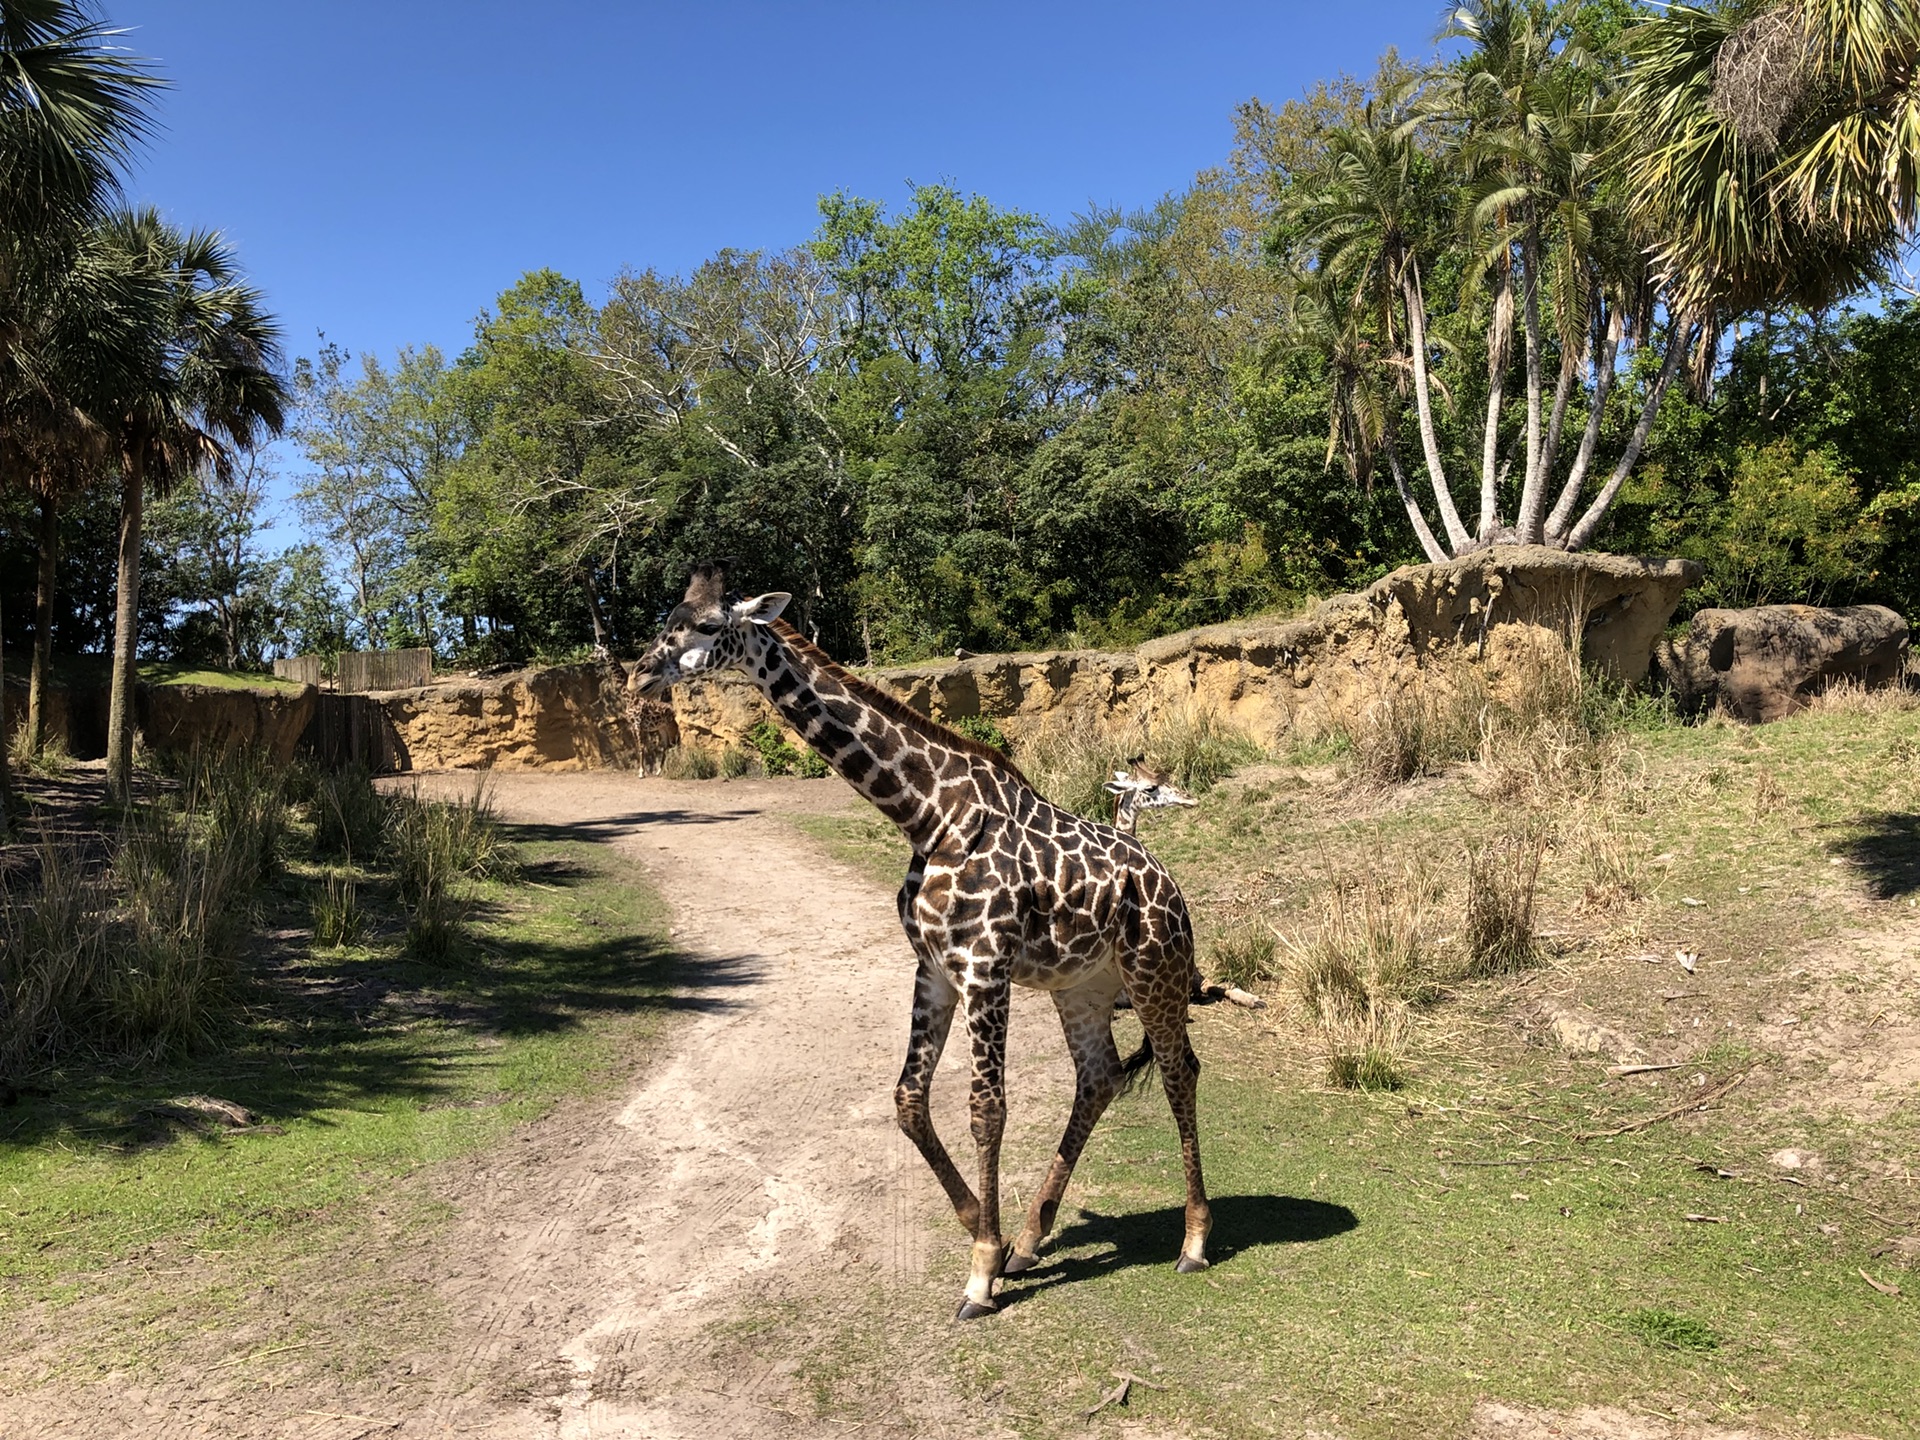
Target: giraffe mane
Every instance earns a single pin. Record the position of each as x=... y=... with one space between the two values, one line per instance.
x=894 y=708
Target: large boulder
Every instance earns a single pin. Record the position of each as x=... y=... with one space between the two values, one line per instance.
x=1765 y=663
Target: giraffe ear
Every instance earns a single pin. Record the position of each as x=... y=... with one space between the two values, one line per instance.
x=762 y=609
x=1116 y=787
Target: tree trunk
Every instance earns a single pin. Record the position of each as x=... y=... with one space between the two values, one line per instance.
x=1533 y=498
x=38 y=677
x=1562 y=515
x=1678 y=340
x=1499 y=346
x=126 y=631
x=593 y=610
x=1435 y=551
x=1429 y=437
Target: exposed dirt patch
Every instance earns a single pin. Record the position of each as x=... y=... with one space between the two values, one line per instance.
x=1493 y=1420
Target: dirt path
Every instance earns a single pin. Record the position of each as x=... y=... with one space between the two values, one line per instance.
x=757 y=1166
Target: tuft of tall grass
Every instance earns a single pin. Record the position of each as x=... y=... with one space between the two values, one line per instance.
x=53 y=950
x=1359 y=973
x=1074 y=753
x=50 y=761
x=241 y=796
x=1502 y=877
x=437 y=847
x=1244 y=957
x=689 y=762
x=350 y=815
x=338 y=919
x=735 y=762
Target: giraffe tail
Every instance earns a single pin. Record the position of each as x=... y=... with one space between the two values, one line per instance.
x=1137 y=1069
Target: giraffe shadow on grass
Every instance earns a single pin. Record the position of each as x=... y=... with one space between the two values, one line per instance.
x=1150 y=1237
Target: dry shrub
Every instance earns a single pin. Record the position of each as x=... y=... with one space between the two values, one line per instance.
x=1614 y=859
x=689 y=762
x=1244 y=956
x=1502 y=876
x=735 y=762
x=51 y=760
x=1073 y=753
x=1850 y=695
x=1360 y=972
x=53 y=950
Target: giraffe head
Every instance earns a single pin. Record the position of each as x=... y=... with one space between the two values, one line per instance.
x=705 y=631
x=1142 y=788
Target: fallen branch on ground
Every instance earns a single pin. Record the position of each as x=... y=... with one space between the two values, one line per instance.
x=1696 y=1102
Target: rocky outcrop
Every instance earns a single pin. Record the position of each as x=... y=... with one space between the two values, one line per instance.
x=1765 y=663
x=570 y=717
x=1493 y=609
x=180 y=718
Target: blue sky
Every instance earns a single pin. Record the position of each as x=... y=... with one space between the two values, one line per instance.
x=386 y=169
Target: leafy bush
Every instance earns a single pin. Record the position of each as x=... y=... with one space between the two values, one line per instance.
x=769 y=742
x=813 y=765
x=983 y=728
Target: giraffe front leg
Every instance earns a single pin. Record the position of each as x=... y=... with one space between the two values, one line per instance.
x=987 y=998
x=934 y=998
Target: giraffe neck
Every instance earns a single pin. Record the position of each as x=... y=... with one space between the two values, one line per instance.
x=920 y=781
x=1126 y=810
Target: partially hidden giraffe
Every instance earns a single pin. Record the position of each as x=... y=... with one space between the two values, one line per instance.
x=1004 y=889
x=1141 y=788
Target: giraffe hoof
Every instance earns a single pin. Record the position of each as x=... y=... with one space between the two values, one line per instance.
x=1187 y=1265
x=1018 y=1264
x=970 y=1311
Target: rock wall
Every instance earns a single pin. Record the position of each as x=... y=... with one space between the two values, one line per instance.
x=1311 y=673
x=1766 y=663
x=179 y=718
x=562 y=718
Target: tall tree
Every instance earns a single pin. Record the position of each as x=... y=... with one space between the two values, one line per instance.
x=72 y=105
x=208 y=384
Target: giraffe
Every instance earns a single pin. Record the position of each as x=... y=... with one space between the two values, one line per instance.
x=1143 y=788
x=1003 y=889
x=1140 y=789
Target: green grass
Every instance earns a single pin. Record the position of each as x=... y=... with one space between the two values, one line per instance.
x=366 y=1066
x=1369 y=1280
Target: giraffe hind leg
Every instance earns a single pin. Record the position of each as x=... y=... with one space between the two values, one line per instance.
x=1086 y=1014
x=1164 y=1014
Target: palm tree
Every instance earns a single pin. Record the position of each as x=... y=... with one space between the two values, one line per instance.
x=71 y=107
x=209 y=382
x=1773 y=152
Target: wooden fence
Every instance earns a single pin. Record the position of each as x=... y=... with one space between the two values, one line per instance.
x=359 y=671
x=354 y=730
x=301 y=669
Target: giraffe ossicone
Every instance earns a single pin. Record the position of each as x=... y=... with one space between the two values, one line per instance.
x=1004 y=889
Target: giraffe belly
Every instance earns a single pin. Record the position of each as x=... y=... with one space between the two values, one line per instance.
x=1052 y=970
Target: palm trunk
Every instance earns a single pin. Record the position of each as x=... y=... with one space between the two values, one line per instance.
x=1677 y=343
x=1562 y=515
x=126 y=631
x=1429 y=438
x=1435 y=551
x=1499 y=344
x=38 y=675
x=1533 y=498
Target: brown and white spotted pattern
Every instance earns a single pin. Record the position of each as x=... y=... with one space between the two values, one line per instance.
x=1004 y=889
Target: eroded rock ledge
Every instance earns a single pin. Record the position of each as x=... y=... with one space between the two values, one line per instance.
x=1310 y=672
